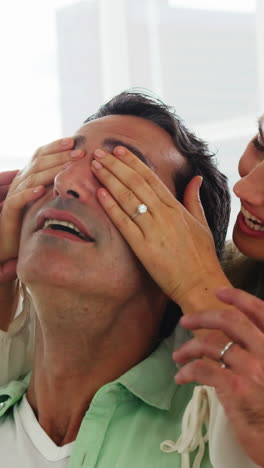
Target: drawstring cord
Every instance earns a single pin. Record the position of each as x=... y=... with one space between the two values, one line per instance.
x=195 y=417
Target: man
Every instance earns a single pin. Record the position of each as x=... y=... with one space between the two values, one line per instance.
x=101 y=391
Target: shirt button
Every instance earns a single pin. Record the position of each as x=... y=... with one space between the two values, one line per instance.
x=2 y=405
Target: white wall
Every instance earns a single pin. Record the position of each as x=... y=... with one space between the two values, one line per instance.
x=61 y=58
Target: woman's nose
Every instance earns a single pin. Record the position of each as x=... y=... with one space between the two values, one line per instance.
x=251 y=187
x=76 y=180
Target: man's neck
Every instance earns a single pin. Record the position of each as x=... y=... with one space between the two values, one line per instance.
x=72 y=361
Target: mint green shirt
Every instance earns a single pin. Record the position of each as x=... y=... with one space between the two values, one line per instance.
x=129 y=418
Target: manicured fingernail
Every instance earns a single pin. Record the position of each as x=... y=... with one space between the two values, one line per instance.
x=99 y=153
x=96 y=164
x=185 y=319
x=222 y=290
x=69 y=163
x=75 y=154
x=38 y=189
x=104 y=193
x=200 y=182
x=66 y=141
x=120 y=151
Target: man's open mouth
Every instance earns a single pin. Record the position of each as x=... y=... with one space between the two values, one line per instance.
x=66 y=226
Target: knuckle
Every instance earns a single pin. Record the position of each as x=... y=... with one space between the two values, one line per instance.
x=37 y=152
x=238 y=385
x=237 y=293
x=257 y=304
x=111 y=206
x=126 y=195
x=135 y=179
x=229 y=316
x=36 y=165
x=206 y=340
x=257 y=369
x=30 y=180
x=197 y=367
x=249 y=399
x=150 y=178
x=122 y=220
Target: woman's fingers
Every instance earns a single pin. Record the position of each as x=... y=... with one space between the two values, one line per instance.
x=11 y=218
x=126 y=199
x=250 y=305
x=25 y=191
x=19 y=199
x=145 y=184
x=7 y=177
x=233 y=323
x=48 y=161
x=50 y=157
x=3 y=191
x=230 y=386
x=43 y=177
x=18 y=188
x=60 y=158
x=56 y=146
x=136 y=175
x=211 y=345
x=238 y=394
x=163 y=234
x=239 y=385
x=203 y=371
x=192 y=200
x=241 y=397
x=8 y=271
x=121 y=220
x=126 y=185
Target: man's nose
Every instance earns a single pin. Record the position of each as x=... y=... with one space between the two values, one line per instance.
x=76 y=180
x=251 y=187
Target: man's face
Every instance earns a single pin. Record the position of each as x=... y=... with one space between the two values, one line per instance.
x=106 y=266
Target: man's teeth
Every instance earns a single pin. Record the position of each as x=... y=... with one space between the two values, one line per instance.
x=50 y=222
x=251 y=220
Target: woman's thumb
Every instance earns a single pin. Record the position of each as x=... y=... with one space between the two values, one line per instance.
x=192 y=201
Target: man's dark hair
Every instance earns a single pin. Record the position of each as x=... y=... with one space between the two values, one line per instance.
x=214 y=191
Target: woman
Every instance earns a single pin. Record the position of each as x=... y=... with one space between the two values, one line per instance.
x=247 y=236
x=240 y=385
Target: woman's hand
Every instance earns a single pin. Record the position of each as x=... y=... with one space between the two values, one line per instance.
x=18 y=188
x=8 y=268
x=174 y=243
x=239 y=385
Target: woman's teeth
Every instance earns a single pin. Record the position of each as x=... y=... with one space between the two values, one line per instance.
x=251 y=220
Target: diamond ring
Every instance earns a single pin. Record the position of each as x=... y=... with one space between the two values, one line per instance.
x=141 y=209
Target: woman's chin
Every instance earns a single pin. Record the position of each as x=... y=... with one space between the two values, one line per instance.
x=249 y=246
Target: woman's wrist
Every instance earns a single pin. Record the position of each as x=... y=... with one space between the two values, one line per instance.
x=201 y=295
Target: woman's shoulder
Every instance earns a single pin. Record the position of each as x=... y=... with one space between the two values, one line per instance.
x=232 y=257
x=243 y=272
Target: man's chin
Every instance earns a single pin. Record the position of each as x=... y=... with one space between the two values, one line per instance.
x=41 y=269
